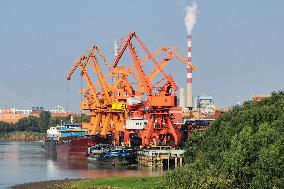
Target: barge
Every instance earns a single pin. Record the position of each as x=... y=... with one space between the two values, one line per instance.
x=70 y=141
x=110 y=154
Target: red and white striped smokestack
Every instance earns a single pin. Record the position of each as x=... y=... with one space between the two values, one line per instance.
x=189 y=75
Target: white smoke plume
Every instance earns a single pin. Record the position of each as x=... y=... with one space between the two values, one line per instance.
x=190 y=17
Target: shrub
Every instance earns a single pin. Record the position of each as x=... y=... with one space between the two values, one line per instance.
x=243 y=149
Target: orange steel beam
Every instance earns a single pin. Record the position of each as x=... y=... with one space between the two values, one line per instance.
x=141 y=74
x=156 y=64
x=120 y=53
x=138 y=65
x=121 y=77
x=92 y=98
x=95 y=48
x=83 y=73
x=101 y=79
x=161 y=66
x=171 y=53
x=78 y=62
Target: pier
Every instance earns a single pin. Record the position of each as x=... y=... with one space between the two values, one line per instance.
x=161 y=156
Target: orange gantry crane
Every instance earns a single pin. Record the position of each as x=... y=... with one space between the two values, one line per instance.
x=160 y=96
x=98 y=94
x=131 y=104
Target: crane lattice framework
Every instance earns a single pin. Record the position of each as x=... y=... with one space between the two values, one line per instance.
x=160 y=96
x=107 y=101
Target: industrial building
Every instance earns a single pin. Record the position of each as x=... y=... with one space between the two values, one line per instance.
x=12 y=115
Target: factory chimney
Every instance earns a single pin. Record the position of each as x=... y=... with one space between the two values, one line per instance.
x=189 y=20
x=181 y=98
x=189 y=75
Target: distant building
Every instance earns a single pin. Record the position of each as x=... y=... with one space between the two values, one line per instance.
x=205 y=104
x=12 y=115
x=12 y=118
x=59 y=111
x=258 y=98
x=37 y=109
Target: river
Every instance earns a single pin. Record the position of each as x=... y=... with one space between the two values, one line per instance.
x=22 y=162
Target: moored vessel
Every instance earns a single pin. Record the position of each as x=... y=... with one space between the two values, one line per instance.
x=111 y=154
x=70 y=141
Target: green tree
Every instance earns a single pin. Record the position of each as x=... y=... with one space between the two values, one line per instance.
x=44 y=119
x=243 y=149
x=30 y=123
x=81 y=118
x=76 y=119
x=6 y=127
x=55 y=121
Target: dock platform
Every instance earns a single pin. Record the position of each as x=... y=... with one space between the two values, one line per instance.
x=161 y=156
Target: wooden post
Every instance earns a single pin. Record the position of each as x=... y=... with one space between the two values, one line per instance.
x=180 y=161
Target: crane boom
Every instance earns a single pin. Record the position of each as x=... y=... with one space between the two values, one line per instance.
x=75 y=66
x=101 y=79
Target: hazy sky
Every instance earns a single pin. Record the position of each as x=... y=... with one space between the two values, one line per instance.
x=237 y=45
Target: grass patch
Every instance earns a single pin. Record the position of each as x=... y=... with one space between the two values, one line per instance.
x=120 y=182
x=22 y=136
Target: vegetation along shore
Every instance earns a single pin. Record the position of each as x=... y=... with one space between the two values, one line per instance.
x=116 y=182
x=22 y=136
x=33 y=128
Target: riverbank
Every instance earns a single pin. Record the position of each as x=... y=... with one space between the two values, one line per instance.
x=99 y=183
x=22 y=136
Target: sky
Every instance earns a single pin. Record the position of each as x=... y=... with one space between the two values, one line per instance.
x=237 y=45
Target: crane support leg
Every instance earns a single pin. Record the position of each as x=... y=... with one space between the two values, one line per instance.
x=173 y=131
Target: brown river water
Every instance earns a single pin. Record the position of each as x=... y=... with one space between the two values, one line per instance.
x=23 y=162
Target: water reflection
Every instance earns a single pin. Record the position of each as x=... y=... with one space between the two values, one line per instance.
x=23 y=162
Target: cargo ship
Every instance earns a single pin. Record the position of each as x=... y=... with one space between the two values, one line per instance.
x=70 y=141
